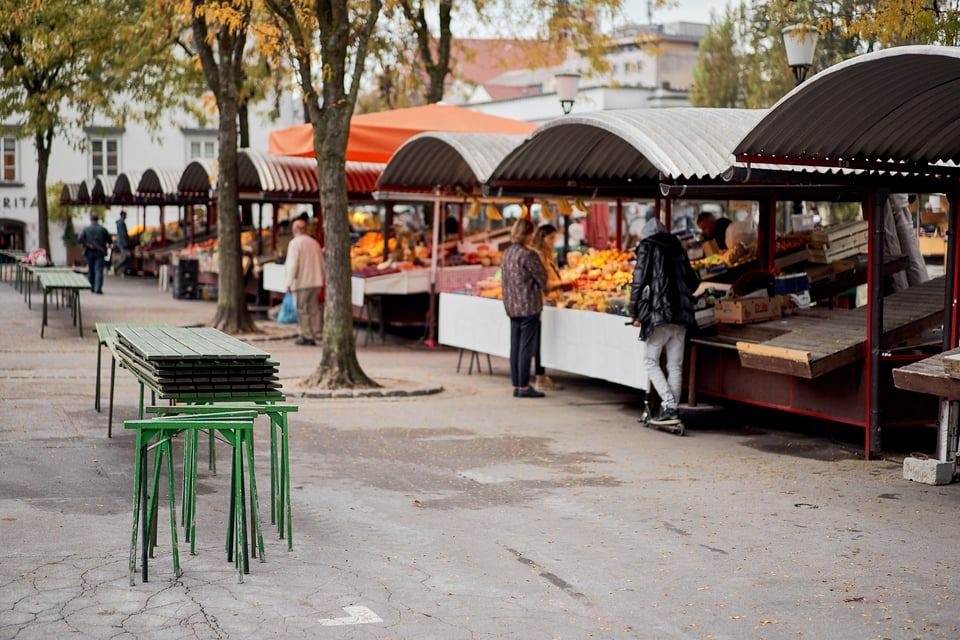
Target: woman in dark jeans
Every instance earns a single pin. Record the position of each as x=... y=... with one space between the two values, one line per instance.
x=523 y=279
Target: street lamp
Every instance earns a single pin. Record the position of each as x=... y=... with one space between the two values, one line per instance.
x=567 y=82
x=800 y=43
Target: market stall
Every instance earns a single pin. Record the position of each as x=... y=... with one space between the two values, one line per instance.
x=688 y=153
x=879 y=141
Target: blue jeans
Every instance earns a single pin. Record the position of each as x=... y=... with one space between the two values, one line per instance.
x=95 y=261
x=523 y=343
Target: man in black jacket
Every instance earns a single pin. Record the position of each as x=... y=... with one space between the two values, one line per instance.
x=661 y=304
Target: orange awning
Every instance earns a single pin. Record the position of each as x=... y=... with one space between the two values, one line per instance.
x=375 y=136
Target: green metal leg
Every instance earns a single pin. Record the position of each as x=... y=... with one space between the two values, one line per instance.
x=113 y=377
x=285 y=480
x=238 y=514
x=96 y=398
x=254 y=502
x=175 y=551
x=138 y=481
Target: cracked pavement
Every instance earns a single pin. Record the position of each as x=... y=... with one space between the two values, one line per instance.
x=461 y=515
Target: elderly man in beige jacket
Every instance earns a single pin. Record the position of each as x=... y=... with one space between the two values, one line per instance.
x=305 y=267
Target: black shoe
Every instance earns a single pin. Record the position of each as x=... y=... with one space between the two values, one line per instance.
x=666 y=417
x=304 y=342
x=516 y=392
x=529 y=392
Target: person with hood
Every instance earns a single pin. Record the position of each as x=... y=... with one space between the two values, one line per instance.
x=661 y=304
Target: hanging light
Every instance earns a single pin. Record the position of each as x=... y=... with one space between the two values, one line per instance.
x=800 y=43
x=567 y=82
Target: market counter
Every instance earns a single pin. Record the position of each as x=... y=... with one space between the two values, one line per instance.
x=588 y=343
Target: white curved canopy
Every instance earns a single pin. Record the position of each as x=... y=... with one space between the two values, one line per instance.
x=630 y=146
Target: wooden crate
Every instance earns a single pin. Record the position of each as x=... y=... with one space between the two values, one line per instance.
x=826 y=256
x=837 y=231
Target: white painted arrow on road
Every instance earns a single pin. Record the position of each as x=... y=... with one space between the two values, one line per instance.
x=357 y=615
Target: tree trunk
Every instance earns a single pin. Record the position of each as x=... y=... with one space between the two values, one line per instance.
x=43 y=142
x=339 y=367
x=232 y=314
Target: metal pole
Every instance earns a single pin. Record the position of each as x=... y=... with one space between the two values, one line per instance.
x=876 y=223
x=950 y=329
x=619 y=224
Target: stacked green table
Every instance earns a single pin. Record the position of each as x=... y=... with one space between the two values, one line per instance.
x=204 y=366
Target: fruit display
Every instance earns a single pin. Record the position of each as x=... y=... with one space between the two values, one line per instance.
x=597 y=281
x=609 y=271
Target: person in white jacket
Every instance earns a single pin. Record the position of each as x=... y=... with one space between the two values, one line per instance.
x=305 y=272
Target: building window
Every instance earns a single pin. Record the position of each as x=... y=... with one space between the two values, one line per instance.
x=203 y=150
x=9 y=147
x=104 y=157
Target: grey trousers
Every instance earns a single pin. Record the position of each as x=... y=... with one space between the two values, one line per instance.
x=309 y=313
x=669 y=338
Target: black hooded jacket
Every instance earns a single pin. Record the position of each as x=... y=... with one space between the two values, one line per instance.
x=663 y=284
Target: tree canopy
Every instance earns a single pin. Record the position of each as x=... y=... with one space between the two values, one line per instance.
x=67 y=65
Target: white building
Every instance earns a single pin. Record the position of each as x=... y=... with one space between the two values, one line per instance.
x=654 y=75
x=107 y=151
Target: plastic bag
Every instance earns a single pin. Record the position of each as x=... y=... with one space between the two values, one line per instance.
x=288 y=310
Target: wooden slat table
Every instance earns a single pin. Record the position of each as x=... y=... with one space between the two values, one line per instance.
x=928 y=376
x=65 y=280
x=107 y=337
x=816 y=341
x=11 y=264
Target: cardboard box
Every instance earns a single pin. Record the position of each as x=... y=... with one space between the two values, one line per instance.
x=747 y=310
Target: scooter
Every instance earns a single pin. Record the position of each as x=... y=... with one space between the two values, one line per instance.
x=647 y=414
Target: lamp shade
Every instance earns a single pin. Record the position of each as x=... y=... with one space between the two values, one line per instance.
x=567 y=82
x=800 y=43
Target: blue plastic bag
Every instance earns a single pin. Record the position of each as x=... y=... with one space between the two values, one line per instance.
x=288 y=310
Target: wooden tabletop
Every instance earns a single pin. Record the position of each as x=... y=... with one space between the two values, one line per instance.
x=51 y=278
x=927 y=376
x=186 y=343
x=815 y=341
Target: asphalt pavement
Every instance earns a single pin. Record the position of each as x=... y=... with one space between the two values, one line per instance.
x=451 y=510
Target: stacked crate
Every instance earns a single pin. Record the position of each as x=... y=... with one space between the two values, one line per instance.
x=186 y=272
x=838 y=242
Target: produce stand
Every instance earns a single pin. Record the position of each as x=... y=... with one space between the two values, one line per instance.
x=587 y=343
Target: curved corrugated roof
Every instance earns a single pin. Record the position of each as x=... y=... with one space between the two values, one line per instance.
x=102 y=191
x=291 y=176
x=74 y=193
x=125 y=187
x=198 y=179
x=463 y=160
x=898 y=104
x=630 y=146
x=159 y=183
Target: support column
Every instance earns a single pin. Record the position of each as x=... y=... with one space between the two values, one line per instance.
x=875 y=222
